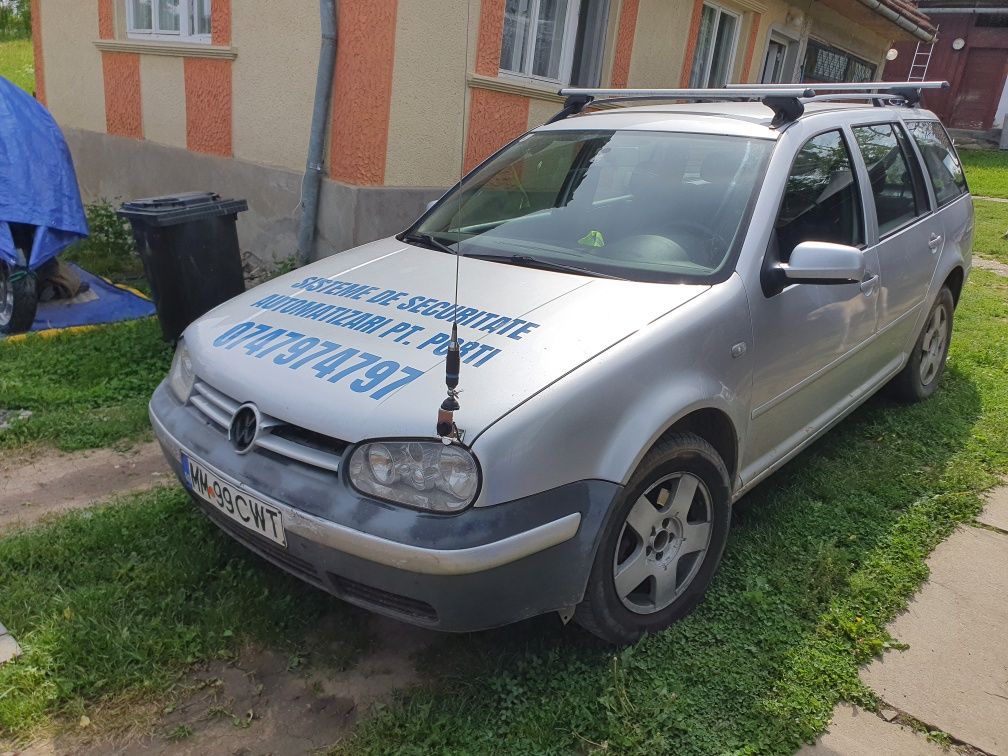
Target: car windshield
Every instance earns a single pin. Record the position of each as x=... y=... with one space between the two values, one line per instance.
x=641 y=205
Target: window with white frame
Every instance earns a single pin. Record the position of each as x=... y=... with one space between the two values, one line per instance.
x=715 y=48
x=171 y=20
x=539 y=38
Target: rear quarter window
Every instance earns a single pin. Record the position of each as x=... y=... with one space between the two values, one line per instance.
x=944 y=169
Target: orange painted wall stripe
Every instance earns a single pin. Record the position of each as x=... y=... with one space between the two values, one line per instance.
x=363 y=91
x=489 y=37
x=495 y=118
x=123 y=116
x=754 y=25
x=106 y=20
x=220 y=22
x=208 y=106
x=624 y=43
x=691 y=43
x=36 y=18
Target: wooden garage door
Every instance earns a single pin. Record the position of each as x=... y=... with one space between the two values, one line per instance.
x=979 y=89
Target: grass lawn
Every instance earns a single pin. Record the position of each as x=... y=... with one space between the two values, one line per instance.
x=986 y=172
x=112 y=605
x=991 y=226
x=85 y=389
x=17 y=63
x=91 y=388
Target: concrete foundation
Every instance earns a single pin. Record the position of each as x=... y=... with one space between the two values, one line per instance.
x=120 y=169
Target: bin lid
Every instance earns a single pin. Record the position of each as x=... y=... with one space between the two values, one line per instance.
x=172 y=209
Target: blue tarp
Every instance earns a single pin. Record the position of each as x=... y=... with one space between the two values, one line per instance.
x=101 y=303
x=38 y=185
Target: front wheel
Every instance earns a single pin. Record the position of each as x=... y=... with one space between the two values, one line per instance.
x=920 y=376
x=18 y=298
x=662 y=544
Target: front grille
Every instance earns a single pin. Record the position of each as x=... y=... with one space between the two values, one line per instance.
x=280 y=438
x=265 y=548
x=351 y=589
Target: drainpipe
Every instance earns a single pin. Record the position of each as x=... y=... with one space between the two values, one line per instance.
x=900 y=21
x=312 y=181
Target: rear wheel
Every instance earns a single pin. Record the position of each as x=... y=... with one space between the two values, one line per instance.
x=18 y=298
x=920 y=376
x=662 y=546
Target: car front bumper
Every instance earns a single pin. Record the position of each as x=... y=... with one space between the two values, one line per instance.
x=482 y=568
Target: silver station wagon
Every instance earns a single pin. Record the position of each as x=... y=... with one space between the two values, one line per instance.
x=638 y=312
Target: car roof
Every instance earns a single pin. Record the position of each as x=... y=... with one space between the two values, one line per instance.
x=745 y=119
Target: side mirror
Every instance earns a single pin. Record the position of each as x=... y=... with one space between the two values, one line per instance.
x=814 y=262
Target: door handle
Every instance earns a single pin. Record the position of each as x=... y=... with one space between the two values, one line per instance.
x=934 y=242
x=869 y=284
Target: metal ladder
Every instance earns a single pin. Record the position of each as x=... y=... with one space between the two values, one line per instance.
x=921 y=59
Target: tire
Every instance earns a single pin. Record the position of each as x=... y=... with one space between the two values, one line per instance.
x=921 y=375
x=671 y=543
x=18 y=298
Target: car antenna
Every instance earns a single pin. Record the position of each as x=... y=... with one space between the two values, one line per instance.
x=446 y=427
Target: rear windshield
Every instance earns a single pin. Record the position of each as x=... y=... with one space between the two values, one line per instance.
x=642 y=205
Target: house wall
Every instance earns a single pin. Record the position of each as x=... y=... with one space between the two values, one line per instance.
x=417 y=93
x=951 y=65
x=75 y=90
x=273 y=85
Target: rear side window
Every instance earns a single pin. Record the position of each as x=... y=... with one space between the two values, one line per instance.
x=899 y=198
x=821 y=200
x=944 y=168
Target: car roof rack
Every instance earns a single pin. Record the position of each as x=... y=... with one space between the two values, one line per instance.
x=786 y=100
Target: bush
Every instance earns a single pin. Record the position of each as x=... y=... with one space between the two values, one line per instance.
x=15 y=19
x=111 y=235
x=109 y=250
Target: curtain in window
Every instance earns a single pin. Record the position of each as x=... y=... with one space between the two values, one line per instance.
x=549 y=36
x=517 y=16
x=705 y=40
x=200 y=17
x=142 y=15
x=168 y=15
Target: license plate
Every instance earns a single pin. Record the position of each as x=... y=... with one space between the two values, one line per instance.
x=247 y=511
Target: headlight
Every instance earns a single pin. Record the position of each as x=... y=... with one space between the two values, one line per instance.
x=422 y=474
x=181 y=377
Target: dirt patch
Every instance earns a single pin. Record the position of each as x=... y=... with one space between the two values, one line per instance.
x=33 y=485
x=998 y=267
x=264 y=703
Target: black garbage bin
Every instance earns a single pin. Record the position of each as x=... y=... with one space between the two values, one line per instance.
x=189 y=247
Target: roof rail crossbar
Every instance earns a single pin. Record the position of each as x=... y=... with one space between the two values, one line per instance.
x=718 y=93
x=847 y=86
x=784 y=101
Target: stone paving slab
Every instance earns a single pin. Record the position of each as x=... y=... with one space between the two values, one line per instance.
x=854 y=732
x=954 y=676
x=995 y=513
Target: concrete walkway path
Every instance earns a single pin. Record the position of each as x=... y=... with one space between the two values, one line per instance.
x=953 y=678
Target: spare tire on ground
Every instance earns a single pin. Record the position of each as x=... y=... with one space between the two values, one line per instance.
x=18 y=297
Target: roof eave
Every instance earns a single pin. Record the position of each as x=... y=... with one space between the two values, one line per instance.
x=925 y=34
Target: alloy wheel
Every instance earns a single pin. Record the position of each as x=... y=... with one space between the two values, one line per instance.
x=933 y=345
x=6 y=295
x=662 y=543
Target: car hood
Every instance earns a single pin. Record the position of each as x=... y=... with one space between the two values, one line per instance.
x=388 y=306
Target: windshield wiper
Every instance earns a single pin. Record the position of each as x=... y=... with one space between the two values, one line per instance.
x=525 y=261
x=429 y=241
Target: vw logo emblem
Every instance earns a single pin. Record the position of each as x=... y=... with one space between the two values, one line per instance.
x=244 y=428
